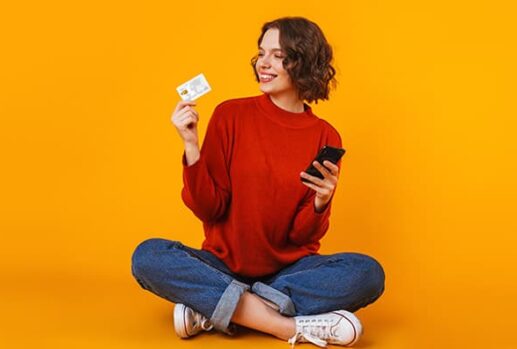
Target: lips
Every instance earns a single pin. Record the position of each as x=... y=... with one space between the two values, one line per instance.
x=265 y=77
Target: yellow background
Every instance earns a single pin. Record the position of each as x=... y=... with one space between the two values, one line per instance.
x=91 y=163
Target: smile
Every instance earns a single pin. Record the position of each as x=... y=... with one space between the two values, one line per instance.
x=266 y=77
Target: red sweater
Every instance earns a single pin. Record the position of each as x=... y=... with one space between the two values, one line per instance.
x=257 y=215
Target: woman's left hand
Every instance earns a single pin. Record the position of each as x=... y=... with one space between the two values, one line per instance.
x=324 y=187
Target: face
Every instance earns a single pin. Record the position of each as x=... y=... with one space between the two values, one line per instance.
x=269 y=63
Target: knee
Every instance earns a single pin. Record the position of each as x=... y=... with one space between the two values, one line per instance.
x=367 y=272
x=144 y=255
x=374 y=277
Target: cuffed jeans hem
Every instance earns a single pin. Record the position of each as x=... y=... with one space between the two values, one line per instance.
x=285 y=304
x=226 y=306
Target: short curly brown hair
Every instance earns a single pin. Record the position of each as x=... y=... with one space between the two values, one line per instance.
x=308 y=57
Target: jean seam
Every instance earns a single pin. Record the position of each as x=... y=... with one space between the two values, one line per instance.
x=304 y=270
x=179 y=245
x=223 y=276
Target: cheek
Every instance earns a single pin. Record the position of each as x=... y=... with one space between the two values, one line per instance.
x=281 y=71
x=279 y=67
x=284 y=75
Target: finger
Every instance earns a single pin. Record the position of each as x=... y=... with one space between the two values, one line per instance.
x=185 y=112
x=311 y=178
x=312 y=186
x=324 y=171
x=182 y=104
x=189 y=116
x=188 y=121
x=333 y=167
x=328 y=183
x=325 y=192
x=188 y=108
x=329 y=179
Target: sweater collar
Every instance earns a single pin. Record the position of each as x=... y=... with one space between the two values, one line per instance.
x=285 y=117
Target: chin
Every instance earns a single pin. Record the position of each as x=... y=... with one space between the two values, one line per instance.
x=270 y=90
x=265 y=89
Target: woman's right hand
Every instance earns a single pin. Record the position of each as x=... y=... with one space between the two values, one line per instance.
x=185 y=118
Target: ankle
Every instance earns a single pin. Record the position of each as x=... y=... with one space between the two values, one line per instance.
x=286 y=329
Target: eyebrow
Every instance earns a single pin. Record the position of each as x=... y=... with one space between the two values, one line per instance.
x=274 y=49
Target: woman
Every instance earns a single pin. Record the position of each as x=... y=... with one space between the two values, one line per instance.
x=258 y=266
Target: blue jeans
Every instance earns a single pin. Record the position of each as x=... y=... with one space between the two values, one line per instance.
x=312 y=285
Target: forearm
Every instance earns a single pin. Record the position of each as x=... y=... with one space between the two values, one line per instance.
x=192 y=153
x=309 y=224
x=206 y=183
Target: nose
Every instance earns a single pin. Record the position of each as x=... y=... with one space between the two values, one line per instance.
x=263 y=62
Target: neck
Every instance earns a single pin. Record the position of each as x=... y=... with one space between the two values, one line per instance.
x=289 y=102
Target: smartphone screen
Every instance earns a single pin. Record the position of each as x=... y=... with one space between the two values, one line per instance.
x=327 y=152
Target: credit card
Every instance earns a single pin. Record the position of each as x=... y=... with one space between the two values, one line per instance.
x=194 y=88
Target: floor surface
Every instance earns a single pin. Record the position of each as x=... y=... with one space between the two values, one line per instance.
x=82 y=310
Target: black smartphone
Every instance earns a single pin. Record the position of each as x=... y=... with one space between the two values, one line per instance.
x=327 y=152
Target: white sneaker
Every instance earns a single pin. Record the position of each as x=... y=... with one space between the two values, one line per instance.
x=188 y=323
x=337 y=327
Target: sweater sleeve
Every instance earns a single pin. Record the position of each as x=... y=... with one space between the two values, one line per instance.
x=310 y=226
x=206 y=183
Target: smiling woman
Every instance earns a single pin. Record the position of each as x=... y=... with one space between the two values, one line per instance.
x=259 y=265
x=304 y=60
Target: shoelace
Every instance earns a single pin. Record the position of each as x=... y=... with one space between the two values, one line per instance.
x=313 y=331
x=308 y=337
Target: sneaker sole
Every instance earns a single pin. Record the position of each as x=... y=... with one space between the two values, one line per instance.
x=179 y=320
x=356 y=325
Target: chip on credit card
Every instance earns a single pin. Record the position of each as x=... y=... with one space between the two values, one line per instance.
x=194 y=88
